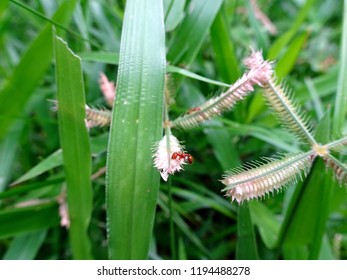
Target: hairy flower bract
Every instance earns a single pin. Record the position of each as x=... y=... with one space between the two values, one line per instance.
x=162 y=156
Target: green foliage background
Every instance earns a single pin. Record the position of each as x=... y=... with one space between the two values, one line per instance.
x=188 y=217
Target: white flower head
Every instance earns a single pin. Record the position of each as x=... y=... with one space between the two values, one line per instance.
x=165 y=159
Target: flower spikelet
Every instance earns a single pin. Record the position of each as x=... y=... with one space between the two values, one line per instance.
x=94 y=117
x=108 y=89
x=162 y=156
x=256 y=61
x=97 y=117
x=257 y=179
x=259 y=73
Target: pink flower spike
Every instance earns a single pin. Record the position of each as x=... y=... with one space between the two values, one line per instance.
x=108 y=89
x=260 y=67
x=254 y=60
x=163 y=159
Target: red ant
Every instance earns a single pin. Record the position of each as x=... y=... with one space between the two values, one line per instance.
x=192 y=110
x=186 y=157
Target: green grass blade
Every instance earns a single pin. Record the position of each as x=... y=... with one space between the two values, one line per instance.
x=26 y=219
x=279 y=45
x=287 y=62
x=246 y=246
x=104 y=57
x=341 y=95
x=21 y=85
x=266 y=222
x=216 y=197
x=174 y=13
x=276 y=136
x=307 y=223
x=132 y=182
x=8 y=148
x=52 y=161
x=324 y=84
x=226 y=60
x=23 y=189
x=186 y=73
x=75 y=145
x=25 y=246
x=316 y=100
x=195 y=26
x=203 y=202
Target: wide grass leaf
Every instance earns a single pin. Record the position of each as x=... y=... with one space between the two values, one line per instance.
x=113 y=58
x=25 y=246
x=266 y=222
x=132 y=182
x=75 y=145
x=246 y=247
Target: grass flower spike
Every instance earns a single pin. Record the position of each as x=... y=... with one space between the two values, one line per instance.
x=259 y=73
x=257 y=179
x=287 y=111
x=96 y=117
x=168 y=156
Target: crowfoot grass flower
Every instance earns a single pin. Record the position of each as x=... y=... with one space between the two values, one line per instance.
x=256 y=179
x=287 y=111
x=259 y=72
x=165 y=156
